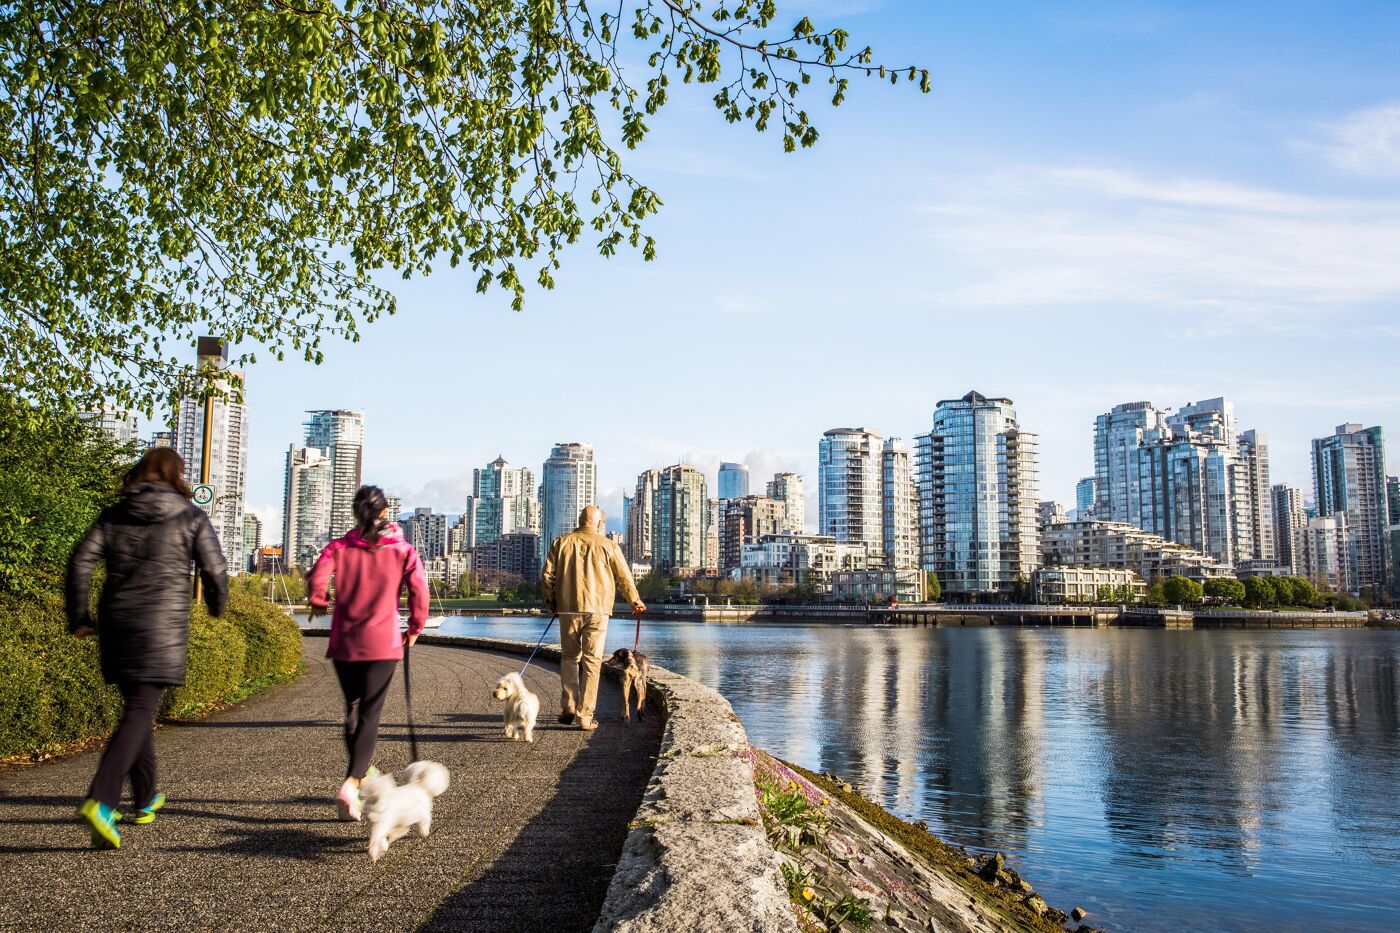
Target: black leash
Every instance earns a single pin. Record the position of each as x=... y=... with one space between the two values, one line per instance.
x=408 y=705
x=538 y=643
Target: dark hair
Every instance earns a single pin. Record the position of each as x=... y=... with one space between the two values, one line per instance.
x=370 y=503
x=159 y=465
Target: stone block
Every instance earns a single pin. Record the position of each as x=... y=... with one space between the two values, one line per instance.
x=706 y=789
x=697 y=877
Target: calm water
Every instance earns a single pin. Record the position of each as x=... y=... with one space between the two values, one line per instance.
x=1161 y=780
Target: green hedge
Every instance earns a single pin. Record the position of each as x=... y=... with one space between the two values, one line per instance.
x=51 y=689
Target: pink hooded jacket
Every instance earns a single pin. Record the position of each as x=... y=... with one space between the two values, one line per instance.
x=368 y=580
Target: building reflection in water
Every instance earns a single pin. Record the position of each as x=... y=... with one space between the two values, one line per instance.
x=1228 y=780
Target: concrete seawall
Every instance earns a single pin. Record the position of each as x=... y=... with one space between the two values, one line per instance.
x=696 y=857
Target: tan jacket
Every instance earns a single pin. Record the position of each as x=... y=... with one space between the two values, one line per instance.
x=580 y=573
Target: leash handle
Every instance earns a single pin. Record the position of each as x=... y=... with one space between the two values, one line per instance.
x=538 y=643
x=408 y=704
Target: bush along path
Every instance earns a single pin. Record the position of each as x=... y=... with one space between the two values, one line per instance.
x=53 y=699
x=848 y=865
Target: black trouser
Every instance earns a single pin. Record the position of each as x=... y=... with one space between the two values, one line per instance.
x=365 y=684
x=131 y=750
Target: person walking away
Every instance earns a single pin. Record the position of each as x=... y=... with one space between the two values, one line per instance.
x=147 y=540
x=581 y=576
x=371 y=565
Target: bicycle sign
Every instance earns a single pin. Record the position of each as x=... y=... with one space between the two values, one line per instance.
x=204 y=495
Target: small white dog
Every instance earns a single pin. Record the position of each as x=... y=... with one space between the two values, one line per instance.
x=396 y=803
x=522 y=707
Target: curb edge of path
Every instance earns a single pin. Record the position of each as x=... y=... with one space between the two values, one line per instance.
x=696 y=857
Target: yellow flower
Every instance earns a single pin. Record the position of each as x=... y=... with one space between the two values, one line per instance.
x=808 y=894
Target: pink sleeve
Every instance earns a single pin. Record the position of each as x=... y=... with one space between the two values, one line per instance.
x=319 y=581
x=417 y=580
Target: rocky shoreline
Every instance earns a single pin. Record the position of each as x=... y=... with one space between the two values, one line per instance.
x=908 y=879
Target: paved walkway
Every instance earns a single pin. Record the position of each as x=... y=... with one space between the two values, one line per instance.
x=524 y=840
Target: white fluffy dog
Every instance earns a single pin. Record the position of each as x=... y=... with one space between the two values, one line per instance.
x=396 y=803
x=522 y=707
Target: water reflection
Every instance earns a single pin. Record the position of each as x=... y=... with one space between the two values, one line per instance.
x=1226 y=780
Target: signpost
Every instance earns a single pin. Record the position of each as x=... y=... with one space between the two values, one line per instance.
x=204 y=495
x=213 y=354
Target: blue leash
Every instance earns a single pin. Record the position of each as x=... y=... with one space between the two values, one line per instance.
x=538 y=643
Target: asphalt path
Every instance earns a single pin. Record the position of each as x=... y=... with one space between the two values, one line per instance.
x=525 y=839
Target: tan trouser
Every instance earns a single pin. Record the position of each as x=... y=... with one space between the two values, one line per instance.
x=581 y=636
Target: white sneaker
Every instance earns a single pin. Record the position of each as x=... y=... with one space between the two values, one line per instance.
x=347 y=802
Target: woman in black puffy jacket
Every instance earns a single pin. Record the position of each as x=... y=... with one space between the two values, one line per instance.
x=147 y=541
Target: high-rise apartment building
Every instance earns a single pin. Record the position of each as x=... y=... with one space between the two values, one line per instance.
x=733 y=480
x=1325 y=550
x=161 y=439
x=849 y=506
x=680 y=520
x=119 y=424
x=341 y=435
x=789 y=489
x=1349 y=478
x=745 y=520
x=978 y=496
x=640 y=515
x=1392 y=499
x=1188 y=476
x=568 y=485
x=395 y=506
x=899 y=506
x=427 y=531
x=1050 y=512
x=306 y=505
x=228 y=449
x=1084 y=492
x=1289 y=518
x=252 y=539
x=502 y=501
x=1254 y=458
x=714 y=523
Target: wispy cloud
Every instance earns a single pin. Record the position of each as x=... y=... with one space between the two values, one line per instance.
x=1366 y=142
x=1047 y=236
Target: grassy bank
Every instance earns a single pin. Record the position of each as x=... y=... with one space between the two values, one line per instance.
x=52 y=697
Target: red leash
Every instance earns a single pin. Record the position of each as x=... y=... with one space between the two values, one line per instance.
x=638 y=638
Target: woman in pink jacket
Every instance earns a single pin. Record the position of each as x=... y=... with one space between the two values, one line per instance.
x=371 y=565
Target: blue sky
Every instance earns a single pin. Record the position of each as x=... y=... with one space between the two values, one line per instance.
x=1099 y=202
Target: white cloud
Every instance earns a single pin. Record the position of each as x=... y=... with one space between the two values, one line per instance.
x=1366 y=142
x=444 y=494
x=1047 y=236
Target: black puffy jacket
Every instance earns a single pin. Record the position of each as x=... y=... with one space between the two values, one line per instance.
x=147 y=541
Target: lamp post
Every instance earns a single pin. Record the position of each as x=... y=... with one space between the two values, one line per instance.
x=213 y=355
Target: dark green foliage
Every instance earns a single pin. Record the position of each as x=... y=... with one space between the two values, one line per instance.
x=51 y=689
x=1260 y=593
x=1182 y=591
x=932 y=588
x=57 y=472
x=1225 y=589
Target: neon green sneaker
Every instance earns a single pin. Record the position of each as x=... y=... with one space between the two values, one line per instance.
x=147 y=814
x=102 y=822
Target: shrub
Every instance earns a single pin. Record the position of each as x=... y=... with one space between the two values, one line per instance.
x=51 y=689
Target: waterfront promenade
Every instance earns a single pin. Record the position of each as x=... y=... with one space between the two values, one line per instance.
x=525 y=839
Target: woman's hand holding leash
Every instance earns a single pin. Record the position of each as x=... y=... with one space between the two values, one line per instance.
x=409 y=638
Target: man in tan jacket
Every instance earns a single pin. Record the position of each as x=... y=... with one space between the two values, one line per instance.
x=580 y=581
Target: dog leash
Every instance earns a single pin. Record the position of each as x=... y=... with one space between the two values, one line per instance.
x=408 y=705
x=538 y=643
x=637 y=639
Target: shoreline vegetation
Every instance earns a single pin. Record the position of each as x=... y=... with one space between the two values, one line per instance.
x=849 y=864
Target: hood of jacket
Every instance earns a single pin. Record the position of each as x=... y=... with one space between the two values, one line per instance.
x=152 y=502
x=392 y=533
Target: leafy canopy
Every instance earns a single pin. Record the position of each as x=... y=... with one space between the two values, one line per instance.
x=244 y=168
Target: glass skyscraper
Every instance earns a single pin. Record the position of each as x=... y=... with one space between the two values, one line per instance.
x=733 y=480
x=502 y=501
x=899 y=507
x=978 y=497
x=569 y=484
x=680 y=522
x=849 y=506
x=341 y=434
x=1349 y=477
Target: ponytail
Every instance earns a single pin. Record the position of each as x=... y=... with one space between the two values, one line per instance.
x=370 y=504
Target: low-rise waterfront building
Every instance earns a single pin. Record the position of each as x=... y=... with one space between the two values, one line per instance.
x=1057 y=585
x=784 y=560
x=877 y=587
x=746 y=520
x=448 y=570
x=1120 y=546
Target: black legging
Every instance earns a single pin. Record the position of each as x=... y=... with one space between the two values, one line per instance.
x=365 y=684
x=131 y=750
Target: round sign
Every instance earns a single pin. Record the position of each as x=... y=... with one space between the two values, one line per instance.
x=203 y=494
